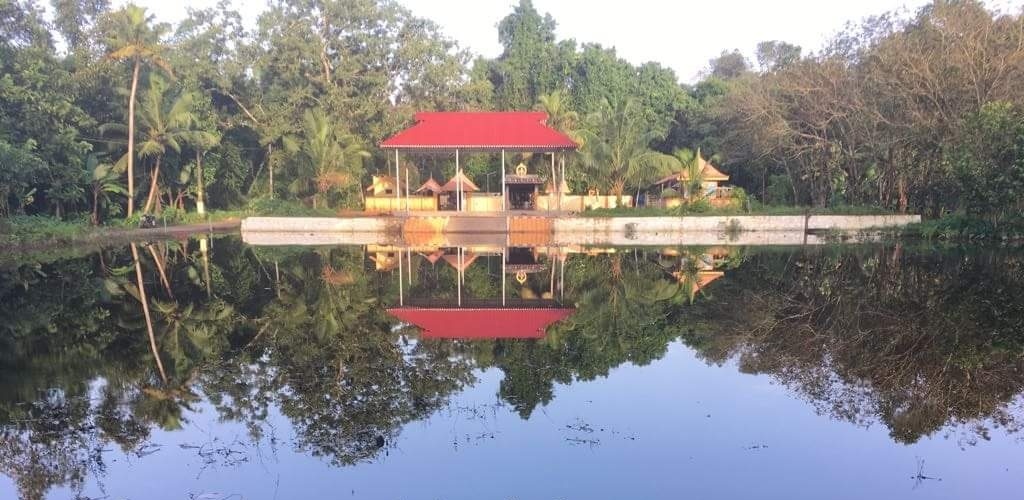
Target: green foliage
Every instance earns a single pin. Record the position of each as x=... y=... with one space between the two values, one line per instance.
x=842 y=126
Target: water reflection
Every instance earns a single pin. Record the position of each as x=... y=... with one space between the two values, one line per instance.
x=351 y=344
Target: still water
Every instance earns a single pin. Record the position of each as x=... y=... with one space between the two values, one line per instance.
x=891 y=371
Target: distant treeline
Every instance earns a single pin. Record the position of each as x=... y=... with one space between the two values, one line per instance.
x=110 y=112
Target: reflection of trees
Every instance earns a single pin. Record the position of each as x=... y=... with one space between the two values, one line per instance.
x=916 y=342
x=332 y=364
x=624 y=313
x=50 y=444
x=913 y=341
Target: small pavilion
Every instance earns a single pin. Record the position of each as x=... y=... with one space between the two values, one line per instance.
x=671 y=190
x=453 y=134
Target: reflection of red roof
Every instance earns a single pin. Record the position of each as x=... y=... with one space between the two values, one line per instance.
x=504 y=323
x=515 y=130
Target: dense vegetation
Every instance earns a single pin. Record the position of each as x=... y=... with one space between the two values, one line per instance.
x=105 y=113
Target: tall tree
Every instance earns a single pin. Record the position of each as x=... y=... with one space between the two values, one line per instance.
x=167 y=123
x=135 y=38
x=616 y=150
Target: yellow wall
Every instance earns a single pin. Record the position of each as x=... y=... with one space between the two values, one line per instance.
x=483 y=202
x=381 y=204
x=579 y=203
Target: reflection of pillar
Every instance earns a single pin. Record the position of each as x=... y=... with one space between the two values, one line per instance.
x=458 y=275
x=401 y=291
x=205 y=251
x=408 y=258
x=561 y=279
x=277 y=280
x=551 y=261
x=504 y=257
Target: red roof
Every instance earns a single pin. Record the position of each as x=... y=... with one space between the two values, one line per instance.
x=515 y=130
x=504 y=323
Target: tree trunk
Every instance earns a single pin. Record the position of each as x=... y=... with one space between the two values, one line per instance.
x=145 y=311
x=270 y=167
x=200 y=202
x=131 y=138
x=152 y=186
x=95 y=207
x=160 y=268
x=901 y=185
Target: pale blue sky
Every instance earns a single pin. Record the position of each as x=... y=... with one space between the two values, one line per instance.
x=683 y=35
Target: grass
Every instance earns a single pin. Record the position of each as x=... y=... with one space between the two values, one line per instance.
x=963 y=227
x=41 y=229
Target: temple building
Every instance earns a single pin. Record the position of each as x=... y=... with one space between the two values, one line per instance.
x=677 y=189
x=536 y=182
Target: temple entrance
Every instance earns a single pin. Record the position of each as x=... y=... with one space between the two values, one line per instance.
x=522 y=197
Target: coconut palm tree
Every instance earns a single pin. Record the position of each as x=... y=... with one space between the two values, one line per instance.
x=692 y=164
x=333 y=159
x=561 y=117
x=135 y=38
x=167 y=123
x=616 y=149
x=202 y=141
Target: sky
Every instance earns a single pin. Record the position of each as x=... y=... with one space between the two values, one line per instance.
x=683 y=35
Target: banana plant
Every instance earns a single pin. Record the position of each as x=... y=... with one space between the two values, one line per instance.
x=105 y=183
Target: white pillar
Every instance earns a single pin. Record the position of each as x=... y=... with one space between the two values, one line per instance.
x=401 y=291
x=458 y=275
x=398 y=202
x=562 y=176
x=554 y=179
x=504 y=194
x=406 y=189
x=504 y=257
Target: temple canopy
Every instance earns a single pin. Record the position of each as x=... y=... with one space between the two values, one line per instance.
x=492 y=323
x=431 y=186
x=453 y=184
x=467 y=260
x=484 y=131
x=708 y=173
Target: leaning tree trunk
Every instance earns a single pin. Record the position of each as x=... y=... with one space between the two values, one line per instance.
x=131 y=138
x=152 y=186
x=145 y=311
x=95 y=207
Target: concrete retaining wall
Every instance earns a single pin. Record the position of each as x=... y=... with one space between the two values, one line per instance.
x=739 y=223
x=317 y=224
x=728 y=230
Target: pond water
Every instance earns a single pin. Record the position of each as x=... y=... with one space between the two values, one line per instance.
x=890 y=371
